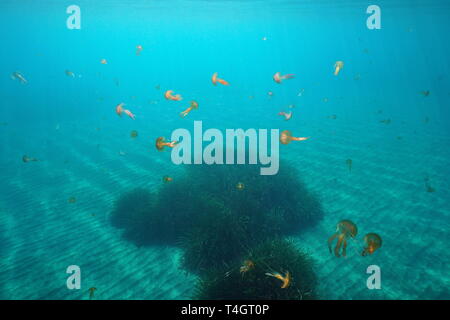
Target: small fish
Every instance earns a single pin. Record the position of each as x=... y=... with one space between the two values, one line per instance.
x=26 y=159
x=167 y=179
x=425 y=93
x=349 y=163
x=386 y=121
x=18 y=76
x=333 y=116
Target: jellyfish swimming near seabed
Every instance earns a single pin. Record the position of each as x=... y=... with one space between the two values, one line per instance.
x=345 y=229
x=161 y=144
x=286 y=137
x=194 y=105
x=372 y=242
x=349 y=163
x=26 y=159
x=286 y=279
x=338 y=67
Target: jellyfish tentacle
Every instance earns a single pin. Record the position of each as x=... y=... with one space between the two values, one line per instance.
x=338 y=245
x=330 y=240
x=344 y=248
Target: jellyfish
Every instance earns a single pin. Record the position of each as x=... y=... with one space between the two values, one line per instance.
x=286 y=137
x=134 y=134
x=26 y=159
x=277 y=77
x=70 y=73
x=349 y=163
x=344 y=229
x=287 y=115
x=240 y=186
x=194 y=105
x=72 y=200
x=286 y=280
x=161 y=143
x=338 y=67
x=372 y=242
x=169 y=96
x=18 y=76
x=167 y=179
x=91 y=292
x=215 y=79
x=138 y=49
x=247 y=266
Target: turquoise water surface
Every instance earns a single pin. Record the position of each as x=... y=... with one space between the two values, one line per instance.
x=387 y=110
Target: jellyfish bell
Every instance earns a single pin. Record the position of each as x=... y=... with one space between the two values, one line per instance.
x=285 y=137
x=372 y=242
x=160 y=143
x=194 y=105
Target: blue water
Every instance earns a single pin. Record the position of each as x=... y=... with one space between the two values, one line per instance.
x=70 y=125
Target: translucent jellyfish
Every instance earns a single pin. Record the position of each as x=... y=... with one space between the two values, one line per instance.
x=240 y=186
x=161 y=144
x=18 y=76
x=372 y=242
x=194 y=105
x=344 y=229
x=338 y=67
x=286 y=137
x=247 y=266
x=138 y=49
